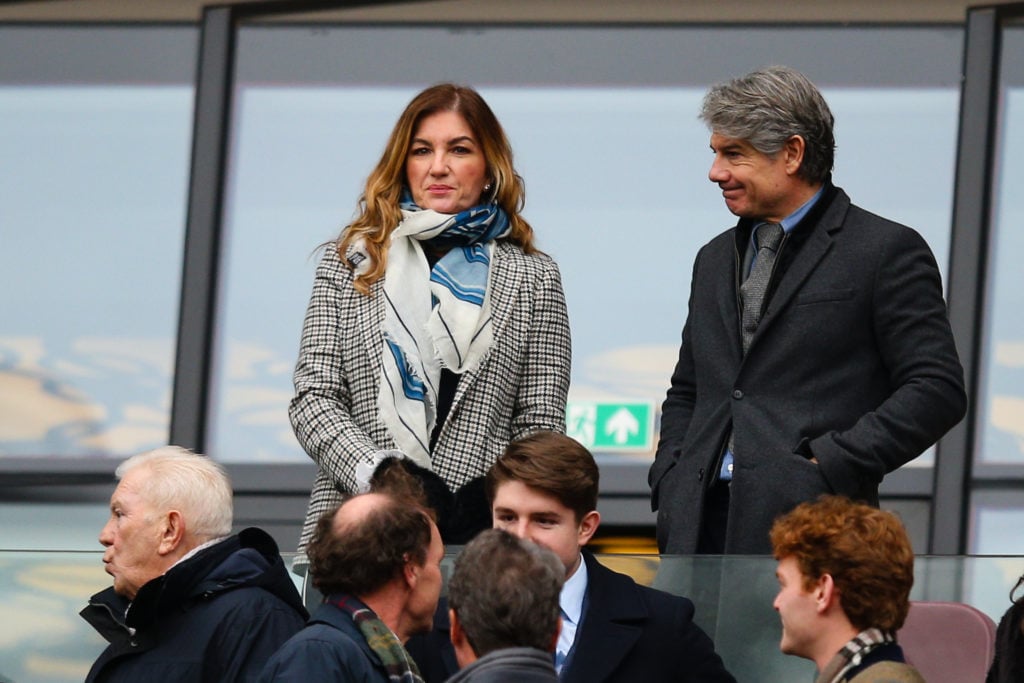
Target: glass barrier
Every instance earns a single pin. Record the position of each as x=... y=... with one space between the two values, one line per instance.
x=43 y=640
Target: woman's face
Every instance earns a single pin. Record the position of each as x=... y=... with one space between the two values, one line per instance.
x=445 y=166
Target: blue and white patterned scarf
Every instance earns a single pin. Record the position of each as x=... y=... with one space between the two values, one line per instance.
x=434 y=317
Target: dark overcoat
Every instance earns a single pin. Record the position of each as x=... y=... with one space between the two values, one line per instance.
x=853 y=364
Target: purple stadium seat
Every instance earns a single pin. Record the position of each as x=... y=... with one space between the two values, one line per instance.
x=948 y=642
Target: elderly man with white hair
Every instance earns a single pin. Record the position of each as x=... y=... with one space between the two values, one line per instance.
x=190 y=601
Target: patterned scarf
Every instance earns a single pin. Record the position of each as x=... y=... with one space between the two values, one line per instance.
x=381 y=639
x=852 y=654
x=434 y=317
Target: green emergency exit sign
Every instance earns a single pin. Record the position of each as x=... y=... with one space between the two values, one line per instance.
x=611 y=426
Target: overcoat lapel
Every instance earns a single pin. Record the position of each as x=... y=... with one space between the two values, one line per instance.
x=819 y=243
x=729 y=304
x=612 y=625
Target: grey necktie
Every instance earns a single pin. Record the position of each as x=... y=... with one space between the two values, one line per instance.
x=767 y=237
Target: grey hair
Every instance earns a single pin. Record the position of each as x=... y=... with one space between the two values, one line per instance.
x=193 y=484
x=505 y=592
x=768 y=107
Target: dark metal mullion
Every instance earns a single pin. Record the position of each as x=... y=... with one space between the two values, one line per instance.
x=968 y=258
x=214 y=83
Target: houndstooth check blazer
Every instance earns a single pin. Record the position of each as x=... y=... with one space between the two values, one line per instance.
x=520 y=385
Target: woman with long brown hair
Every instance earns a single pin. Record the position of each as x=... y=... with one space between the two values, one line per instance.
x=436 y=331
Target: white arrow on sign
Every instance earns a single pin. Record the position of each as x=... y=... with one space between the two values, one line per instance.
x=621 y=426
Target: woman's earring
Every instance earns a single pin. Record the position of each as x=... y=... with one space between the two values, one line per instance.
x=487 y=187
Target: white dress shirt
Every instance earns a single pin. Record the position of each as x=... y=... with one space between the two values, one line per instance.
x=571 y=602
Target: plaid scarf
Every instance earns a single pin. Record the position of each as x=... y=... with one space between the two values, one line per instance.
x=852 y=654
x=381 y=639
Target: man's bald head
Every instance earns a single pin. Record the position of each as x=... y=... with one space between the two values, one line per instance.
x=353 y=511
x=366 y=542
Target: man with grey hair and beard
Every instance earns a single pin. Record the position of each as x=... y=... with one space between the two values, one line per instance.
x=190 y=602
x=504 y=610
x=817 y=354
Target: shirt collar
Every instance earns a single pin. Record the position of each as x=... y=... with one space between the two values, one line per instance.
x=790 y=221
x=571 y=598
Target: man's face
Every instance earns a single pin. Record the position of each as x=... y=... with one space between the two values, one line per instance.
x=427 y=589
x=797 y=608
x=132 y=537
x=753 y=184
x=543 y=519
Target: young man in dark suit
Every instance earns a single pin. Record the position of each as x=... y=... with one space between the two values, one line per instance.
x=544 y=488
x=817 y=354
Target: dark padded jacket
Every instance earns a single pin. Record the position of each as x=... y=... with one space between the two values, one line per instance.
x=216 y=617
x=330 y=648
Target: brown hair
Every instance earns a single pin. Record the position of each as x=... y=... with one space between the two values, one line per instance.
x=379 y=212
x=865 y=550
x=552 y=463
x=365 y=554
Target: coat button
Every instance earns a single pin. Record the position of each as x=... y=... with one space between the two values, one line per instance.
x=737 y=394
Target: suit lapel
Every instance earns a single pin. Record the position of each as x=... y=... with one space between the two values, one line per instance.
x=611 y=626
x=819 y=243
x=370 y=319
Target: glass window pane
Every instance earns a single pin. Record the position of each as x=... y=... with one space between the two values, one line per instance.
x=1001 y=432
x=995 y=523
x=996 y=514
x=615 y=163
x=94 y=154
